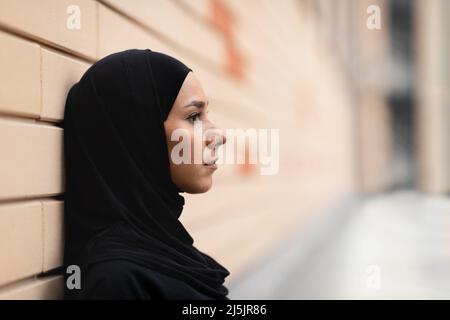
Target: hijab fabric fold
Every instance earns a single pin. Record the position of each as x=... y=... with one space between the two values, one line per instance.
x=120 y=202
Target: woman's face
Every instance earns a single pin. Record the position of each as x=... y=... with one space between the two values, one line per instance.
x=191 y=108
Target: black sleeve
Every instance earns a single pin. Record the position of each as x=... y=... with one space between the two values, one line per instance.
x=113 y=280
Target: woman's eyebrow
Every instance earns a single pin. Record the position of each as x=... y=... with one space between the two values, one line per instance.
x=197 y=103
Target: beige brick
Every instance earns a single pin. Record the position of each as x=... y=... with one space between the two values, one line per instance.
x=19 y=76
x=53 y=229
x=229 y=97
x=45 y=288
x=59 y=73
x=20 y=240
x=173 y=23
x=32 y=159
x=241 y=222
x=244 y=233
x=115 y=33
x=46 y=20
x=200 y=7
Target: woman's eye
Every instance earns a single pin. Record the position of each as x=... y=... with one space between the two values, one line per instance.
x=194 y=117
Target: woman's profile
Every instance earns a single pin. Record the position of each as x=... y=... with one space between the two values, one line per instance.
x=122 y=187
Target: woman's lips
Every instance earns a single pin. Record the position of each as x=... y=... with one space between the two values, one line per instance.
x=211 y=164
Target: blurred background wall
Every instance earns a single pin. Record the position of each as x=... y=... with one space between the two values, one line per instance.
x=361 y=105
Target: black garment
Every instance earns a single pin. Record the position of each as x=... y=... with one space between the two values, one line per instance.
x=122 y=209
x=121 y=279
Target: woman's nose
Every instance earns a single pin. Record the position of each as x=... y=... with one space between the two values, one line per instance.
x=216 y=138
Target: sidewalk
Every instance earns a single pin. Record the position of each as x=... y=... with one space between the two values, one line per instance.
x=390 y=246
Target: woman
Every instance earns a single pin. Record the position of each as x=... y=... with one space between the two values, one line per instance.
x=122 y=199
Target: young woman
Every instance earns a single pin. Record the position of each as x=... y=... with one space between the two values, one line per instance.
x=122 y=197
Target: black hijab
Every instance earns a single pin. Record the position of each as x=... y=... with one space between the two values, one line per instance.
x=120 y=202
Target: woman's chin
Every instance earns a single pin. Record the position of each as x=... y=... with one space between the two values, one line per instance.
x=199 y=187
